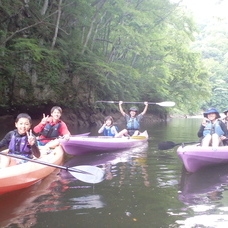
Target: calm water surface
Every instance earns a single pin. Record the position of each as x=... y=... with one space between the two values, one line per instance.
x=143 y=187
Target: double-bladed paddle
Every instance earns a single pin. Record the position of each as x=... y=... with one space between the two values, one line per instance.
x=85 y=173
x=163 y=104
x=169 y=145
x=59 y=137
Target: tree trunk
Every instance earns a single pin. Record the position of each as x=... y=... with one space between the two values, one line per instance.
x=57 y=24
x=45 y=7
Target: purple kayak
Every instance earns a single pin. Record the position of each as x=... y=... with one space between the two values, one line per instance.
x=195 y=157
x=88 y=144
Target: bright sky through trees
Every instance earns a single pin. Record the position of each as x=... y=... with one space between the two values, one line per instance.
x=203 y=9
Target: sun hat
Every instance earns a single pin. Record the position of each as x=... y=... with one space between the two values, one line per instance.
x=211 y=110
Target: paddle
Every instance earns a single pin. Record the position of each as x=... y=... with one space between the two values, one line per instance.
x=163 y=104
x=79 y=135
x=169 y=145
x=85 y=173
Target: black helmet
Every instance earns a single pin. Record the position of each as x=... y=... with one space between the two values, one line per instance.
x=133 y=109
x=211 y=110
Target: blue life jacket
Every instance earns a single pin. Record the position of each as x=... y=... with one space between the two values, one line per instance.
x=213 y=128
x=19 y=145
x=108 y=131
x=132 y=123
x=50 y=131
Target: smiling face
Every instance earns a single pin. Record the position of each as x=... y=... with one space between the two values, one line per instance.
x=132 y=113
x=212 y=116
x=108 y=122
x=56 y=114
x=23 y=125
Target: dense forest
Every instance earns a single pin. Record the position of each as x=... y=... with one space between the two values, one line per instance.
x=212 y=44
x=74 y=52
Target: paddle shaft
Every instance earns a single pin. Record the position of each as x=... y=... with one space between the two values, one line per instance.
x=44 y=163
x=83 y=134
x=169 y=145
x=125 y=102
x=183 y=143
x=165 y=103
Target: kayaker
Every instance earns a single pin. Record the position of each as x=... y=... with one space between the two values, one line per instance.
x=212 y=130
x=20 y=141
x=132 y=120
x=225 y=121
x=50 y=128
x=108 y=129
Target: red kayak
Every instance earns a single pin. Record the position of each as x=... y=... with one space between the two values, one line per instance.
x=21 y=176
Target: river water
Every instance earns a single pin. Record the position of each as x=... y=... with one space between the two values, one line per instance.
x=144 y=187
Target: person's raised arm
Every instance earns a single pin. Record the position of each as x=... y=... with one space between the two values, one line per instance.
x=120 y=107
x=145 y=109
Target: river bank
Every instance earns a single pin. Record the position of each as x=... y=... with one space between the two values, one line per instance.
x=84 y=120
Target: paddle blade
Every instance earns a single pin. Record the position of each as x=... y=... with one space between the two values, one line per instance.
x=166 y=104
x=87 y=174
x=166 y=145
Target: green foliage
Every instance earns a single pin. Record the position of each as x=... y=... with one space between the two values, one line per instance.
x=212 y=42
x=104 y=50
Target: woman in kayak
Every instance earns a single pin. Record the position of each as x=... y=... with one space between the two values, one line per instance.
x=108 y=129
x=20 y=141
x=212 y=130
x=132 y=120
x=50 y=128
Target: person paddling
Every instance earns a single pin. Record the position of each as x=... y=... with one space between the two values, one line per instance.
x=212 y=130
x=51 y=128
x=20 y=141
x=132 y=120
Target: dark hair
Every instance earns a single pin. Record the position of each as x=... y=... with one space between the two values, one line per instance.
x=56 y=107
x=109 y=118
x=23 y=115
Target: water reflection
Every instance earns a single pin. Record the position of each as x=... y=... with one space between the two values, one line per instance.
x=86 y=202
x=140 y=190
x=203 y=192
x=203 y=186
x=130 y=160
x=19 y=207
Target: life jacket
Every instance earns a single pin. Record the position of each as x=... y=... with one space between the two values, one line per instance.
x=108 y=131
x=213 y=128
x=132 y=123
x=50 y=131
x=19 y=145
